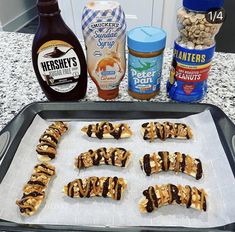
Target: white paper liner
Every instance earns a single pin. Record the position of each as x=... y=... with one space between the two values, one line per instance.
x=218 y=180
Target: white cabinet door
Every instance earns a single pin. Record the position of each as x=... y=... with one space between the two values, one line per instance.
x=67 y=13
x=169 y=12
x=137 y=13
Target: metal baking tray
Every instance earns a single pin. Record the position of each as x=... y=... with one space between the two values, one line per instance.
x=12 y=134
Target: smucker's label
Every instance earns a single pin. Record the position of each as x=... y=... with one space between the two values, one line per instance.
x=59 y=65
x=104 y=31
x=144 y=74
x=189 y=72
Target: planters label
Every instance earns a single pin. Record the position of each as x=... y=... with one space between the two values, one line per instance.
x=189 y=72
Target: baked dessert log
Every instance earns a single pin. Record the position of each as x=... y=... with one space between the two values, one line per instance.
x=107 y=130
x=119 y=157
x=34 y=190
x=46 y=149
x=59 y=126
x=165 y=130
x=111 y=187
x=161 y=195
x=171 y=161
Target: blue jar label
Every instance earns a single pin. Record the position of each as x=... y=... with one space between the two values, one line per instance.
x=189 y=73
x=144 y=74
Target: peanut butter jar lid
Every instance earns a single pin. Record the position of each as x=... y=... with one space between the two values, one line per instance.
x=146 y=39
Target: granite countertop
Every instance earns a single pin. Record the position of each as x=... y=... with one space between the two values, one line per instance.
x=19 y=86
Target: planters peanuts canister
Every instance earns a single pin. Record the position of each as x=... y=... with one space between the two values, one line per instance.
x=198 y=23
x=146 y=46
x=189 y=73
x=104 y=31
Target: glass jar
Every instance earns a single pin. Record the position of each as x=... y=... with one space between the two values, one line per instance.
x=198 y=23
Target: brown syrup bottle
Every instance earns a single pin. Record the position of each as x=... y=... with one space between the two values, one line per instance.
x=58 y=58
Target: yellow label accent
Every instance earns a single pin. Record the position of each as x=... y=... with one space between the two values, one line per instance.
x=53 y=43
x=194 y=66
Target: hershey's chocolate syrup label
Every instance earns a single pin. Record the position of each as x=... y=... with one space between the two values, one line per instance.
x=59 y=65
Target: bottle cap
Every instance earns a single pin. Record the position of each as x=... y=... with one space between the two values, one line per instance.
x=203 y=5
x=146 y=39
x=48 y=6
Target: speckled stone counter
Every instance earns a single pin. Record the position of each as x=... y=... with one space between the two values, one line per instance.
x=19 y=86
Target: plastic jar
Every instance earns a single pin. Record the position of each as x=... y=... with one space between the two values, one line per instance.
x=104 y=31
x=198 y=23
x=146 y=46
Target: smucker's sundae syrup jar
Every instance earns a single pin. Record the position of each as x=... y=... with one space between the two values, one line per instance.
x=198 y=23
x=58 y=58
x=104 y=31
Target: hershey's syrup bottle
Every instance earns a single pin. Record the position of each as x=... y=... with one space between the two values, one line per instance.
x=58 y=58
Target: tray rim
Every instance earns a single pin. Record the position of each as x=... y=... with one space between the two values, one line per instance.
x=10 y=225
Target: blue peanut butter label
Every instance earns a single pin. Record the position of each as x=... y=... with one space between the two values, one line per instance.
x=144 y=74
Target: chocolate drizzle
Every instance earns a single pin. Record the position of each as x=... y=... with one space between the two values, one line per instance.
x=147 y=167
x=183 y=163
x=149 y=206
x=111 y=156
x=99 y=129
x=153 y=196
x=145 y=124
x=89 y=130
x=125 y=156
x=70 y=191
x=96 y=160
x=165 y=161
x=105 y=188
x=145 y=135
x=204 y=207
x=175 y=194
x=34 y=190
x=45 y=167
x=189 y=200
x=170 y=194
x=36 y=182
x=199 y=170
x=117 y=133
x=165 y=130
x=32 y=194
x=119 y=192
x=95 y=186
x=49 y=140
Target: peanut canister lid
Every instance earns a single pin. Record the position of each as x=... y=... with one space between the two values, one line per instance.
x=146 y=39
x=203 y=5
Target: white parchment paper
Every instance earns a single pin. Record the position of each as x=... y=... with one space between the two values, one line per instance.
x=218 y=180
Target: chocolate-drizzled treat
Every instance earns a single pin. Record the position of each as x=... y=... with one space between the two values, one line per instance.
x=160 y=195
x=107 y=130
x=46 y=149
x=34 y=190
x=165 y=130
x=171 y=161
x=119 y=157
x=111 y=187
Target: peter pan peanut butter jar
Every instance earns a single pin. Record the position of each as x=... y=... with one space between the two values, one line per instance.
x=104 y=31
x=145 y=59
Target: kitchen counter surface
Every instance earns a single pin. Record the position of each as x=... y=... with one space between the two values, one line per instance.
x=19 y=86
